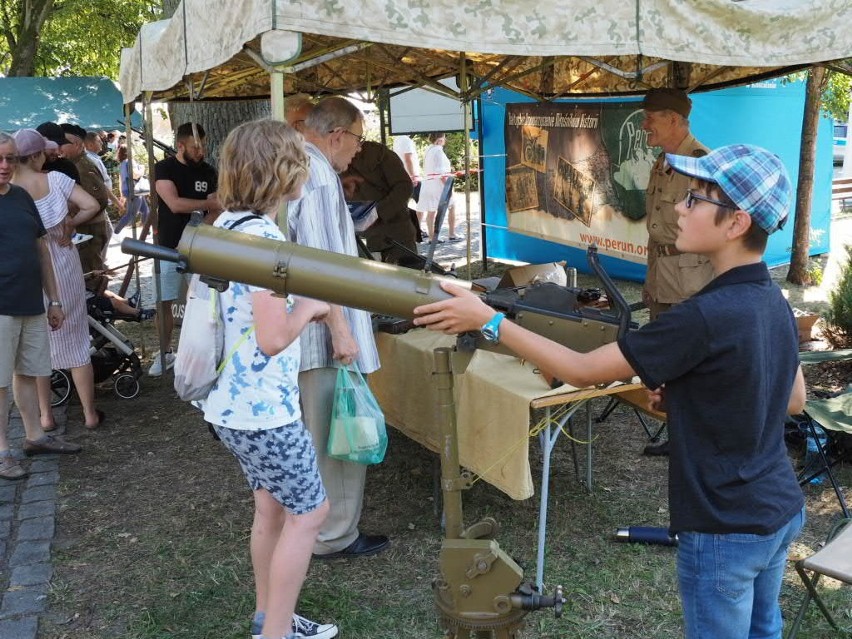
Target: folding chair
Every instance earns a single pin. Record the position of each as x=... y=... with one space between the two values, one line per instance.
x=833 y=560
x=638 y=401
x=834 y=415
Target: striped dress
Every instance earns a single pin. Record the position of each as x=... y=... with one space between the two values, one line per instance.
x=69 y=346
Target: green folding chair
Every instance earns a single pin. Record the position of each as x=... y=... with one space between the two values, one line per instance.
x=834 y=415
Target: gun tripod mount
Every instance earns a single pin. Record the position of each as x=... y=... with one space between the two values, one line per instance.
x=480 y=592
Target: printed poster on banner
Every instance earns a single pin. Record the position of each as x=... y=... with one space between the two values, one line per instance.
x=576 y=173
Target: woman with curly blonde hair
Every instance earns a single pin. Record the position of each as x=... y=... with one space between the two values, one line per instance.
x=254 y=406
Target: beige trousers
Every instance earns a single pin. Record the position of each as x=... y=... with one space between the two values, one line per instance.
x=343 y=481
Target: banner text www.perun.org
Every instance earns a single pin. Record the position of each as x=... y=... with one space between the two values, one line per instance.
x=612 y=244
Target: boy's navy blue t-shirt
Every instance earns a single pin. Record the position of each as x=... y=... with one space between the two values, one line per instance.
x=728 y=357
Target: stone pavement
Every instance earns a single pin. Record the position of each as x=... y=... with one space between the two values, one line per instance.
x=27 y=526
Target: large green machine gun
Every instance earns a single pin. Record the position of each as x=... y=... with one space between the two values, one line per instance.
x=480 y=591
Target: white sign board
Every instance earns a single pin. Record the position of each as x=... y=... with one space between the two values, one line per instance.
x=424 y=110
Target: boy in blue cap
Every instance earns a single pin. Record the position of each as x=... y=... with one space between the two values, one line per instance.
x=724 y=365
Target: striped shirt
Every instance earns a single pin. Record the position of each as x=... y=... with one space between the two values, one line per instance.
x=320 y=219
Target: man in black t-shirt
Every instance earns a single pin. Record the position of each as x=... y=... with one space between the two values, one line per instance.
x=184 y=183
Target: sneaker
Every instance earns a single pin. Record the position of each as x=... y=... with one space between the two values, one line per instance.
x=146 y=314
x=303 y=627
x=133 y=300
x=11 y=469
x=157 y=367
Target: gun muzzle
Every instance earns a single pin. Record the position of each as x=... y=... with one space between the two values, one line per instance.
x=138 y=247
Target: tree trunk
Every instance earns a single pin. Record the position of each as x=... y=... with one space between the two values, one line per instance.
x=32 y=14
x=798 y=273
x=217 y=118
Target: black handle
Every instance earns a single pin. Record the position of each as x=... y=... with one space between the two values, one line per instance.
x=145 y=249
x=614 y=296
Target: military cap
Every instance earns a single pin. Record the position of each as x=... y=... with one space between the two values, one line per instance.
x=672 y=99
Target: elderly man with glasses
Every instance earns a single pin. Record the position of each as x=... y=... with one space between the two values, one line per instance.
x=672 y=275
x=334 y=131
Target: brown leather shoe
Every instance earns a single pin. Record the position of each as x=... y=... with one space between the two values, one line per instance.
x=50 y=445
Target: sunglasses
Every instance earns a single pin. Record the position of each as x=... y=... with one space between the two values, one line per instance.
x=9 y=159
x=691 y=196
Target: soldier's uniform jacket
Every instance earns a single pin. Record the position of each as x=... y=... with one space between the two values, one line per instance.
x=92 y=252
x=672 y=276
x=92 y=181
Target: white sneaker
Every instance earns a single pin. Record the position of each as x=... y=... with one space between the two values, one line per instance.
x=303 y=627
x=157 y=367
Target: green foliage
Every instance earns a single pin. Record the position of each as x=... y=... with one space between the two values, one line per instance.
x=838 y=318
x=815 y=272
x=835 y=97
x=79 y=37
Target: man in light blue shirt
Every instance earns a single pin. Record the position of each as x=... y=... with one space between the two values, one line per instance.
x=333 y=131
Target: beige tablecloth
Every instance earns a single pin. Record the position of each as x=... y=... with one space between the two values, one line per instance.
x=493 y=397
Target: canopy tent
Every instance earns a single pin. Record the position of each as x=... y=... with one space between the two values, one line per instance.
x=93 y=103
x=544 y=49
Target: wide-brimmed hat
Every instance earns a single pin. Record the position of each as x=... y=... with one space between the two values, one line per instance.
x=30 y=142
x=754 y=178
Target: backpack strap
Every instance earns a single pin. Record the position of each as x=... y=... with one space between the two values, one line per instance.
x=242 y=220
x=215 y=294
x=214 y=303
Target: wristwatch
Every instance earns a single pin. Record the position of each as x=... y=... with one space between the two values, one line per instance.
x=55 y=303
x=491 y=329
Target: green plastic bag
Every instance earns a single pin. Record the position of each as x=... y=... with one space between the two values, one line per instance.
x=357 y=432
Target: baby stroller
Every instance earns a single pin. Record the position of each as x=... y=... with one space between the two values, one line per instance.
x=112 y=353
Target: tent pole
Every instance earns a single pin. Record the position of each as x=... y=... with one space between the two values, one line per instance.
x=381 y=102
x=464 y=90
x=276 y=97
x=152 y=215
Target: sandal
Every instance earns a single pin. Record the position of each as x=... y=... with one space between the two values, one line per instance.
x=10 y=468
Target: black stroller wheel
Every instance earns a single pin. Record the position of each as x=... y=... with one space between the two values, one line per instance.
x=126 y=386
x=60 y=387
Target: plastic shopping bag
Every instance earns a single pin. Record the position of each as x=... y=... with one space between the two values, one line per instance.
x=202 y=338
x=357 y=430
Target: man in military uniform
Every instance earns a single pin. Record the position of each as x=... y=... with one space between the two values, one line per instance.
x=672 y=275
x=93 y=252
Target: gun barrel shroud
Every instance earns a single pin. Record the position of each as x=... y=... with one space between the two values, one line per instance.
x=286 y=267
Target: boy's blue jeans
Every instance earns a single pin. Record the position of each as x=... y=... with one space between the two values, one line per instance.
x=729 y=584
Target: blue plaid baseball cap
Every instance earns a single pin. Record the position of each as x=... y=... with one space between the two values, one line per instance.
x=754 y=178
